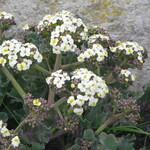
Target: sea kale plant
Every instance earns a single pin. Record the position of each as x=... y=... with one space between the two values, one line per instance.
x=68 y=80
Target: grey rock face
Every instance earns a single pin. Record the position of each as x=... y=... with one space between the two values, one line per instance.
x=124 y=19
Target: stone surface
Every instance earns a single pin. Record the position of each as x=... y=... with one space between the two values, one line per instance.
x=124 y=19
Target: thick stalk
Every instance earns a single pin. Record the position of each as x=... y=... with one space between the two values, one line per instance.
x=58 y=62
x=51 y=96
x=57 y=66
x=72 y=64
x=13 y=81
x=109 y=122
x=1 y=33
x=41 y=69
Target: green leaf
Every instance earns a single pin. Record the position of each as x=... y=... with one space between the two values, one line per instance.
x=3 y=116
x=146 y=95
x=40 y=134
x=110 y=142
x=24 y=147
x=36 y=147
x=89 y=135
x=129 y=129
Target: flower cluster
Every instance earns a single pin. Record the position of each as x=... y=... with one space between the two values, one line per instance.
x=65 y=31
x=94 y=54
x=38 y=110
x=18 y=55
x=57 y=80
x=129 y=106
x=6 y=20
x=126 y=76
x=134 y=53
x=88 y=88
x=6 y=136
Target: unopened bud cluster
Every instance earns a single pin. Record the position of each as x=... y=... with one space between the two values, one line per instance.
x=65 y=31
x=99 y=35
x=9 y=140
x=115 y=94
x=19 y=56
x=84 y=144
x=57 y=80
x=70 y=123
x=129 y=106
x=6 y=20
x=38 y=110
x=88 y=88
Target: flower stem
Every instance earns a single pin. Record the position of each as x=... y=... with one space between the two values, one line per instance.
x=58 y=103
x=109 y=122
x=41 y=69
x=59 y=113
x=72 y=64
x=48 y=65
x=98 y=71
x=20 y=126
x=14 y=82
x=124 y=62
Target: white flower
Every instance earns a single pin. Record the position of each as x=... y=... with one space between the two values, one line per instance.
x=58 y=82
x=12 y=62
x=24 y=52
x=78 y=111
x=80 y=100
x=54 y=41
x=3 y=61
x=5 y=132
x=100 y=57
x=12 y=55
x=25 y=27
x=48 y=80
x=21 y=66
x=125 y=72
x=15 y=141
x=28 y=63
x=113 y=49
x=65 y=47
x=129 y=51
x=81 y=58
x=93 y=101
x=133 y=77
x=71 y=101
x=38 y=57
x=5 y=50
